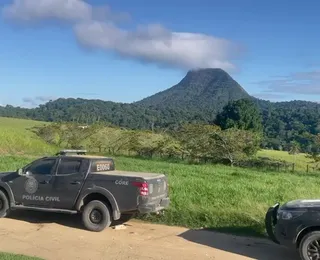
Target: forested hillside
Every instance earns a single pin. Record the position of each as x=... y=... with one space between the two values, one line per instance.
x=198 y=98
x=199 y=91
x=284 y=122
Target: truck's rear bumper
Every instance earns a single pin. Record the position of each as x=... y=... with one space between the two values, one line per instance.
x=154 y=207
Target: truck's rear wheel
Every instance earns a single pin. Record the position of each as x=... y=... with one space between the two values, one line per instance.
x=309 y=248
x=96 y=216
x=4 y=205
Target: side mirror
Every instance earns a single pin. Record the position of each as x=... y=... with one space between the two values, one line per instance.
x=20 y=171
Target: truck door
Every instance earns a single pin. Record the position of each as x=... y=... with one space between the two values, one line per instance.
x=34 y=188
x=68 y=181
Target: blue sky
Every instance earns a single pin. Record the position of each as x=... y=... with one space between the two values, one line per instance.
x=137 y=48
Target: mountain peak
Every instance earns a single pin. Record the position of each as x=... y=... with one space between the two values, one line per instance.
x=207 y=70
x=206 y=89
x=207 y=74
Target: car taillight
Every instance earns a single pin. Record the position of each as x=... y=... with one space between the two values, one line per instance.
x=143 y=188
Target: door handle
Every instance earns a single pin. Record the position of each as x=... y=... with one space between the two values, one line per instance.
x=75 y=182
x=44 y=182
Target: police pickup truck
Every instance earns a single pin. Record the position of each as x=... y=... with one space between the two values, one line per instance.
x=73 y=182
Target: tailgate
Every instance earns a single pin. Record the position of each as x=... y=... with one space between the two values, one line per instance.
x=158 y=187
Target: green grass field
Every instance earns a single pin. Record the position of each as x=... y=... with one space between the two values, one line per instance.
x=208 y=196
x=9 y=256
x=217 y=197
x=15 y=139
x=300 y=160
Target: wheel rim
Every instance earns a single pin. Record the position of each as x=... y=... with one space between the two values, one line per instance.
x=314 y=250
x=1 y=204
x=96 y=216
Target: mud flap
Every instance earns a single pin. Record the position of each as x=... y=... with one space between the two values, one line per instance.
x=271 y=221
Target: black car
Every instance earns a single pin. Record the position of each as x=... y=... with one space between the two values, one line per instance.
x=296 y=225
x=73 y=182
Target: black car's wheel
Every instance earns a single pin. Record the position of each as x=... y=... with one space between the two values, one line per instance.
x=309 y=248
x=96 y=216
x=4 y=205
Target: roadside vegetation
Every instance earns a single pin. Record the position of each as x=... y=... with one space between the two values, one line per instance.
x=16 y=139
x=9 y=256
x=208 y=187
x=215 y=196
x=204 y=194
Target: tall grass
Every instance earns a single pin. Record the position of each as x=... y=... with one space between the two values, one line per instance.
x=215 y=197
x=300 y=160
x=222 y=198
x=9 y=256
x=15 y=138
x=218 y=197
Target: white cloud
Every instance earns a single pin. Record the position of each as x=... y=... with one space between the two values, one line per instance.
x=31 y=10
x=95 y=27
x=303 y=83
x=66 y=10
x=36 y=101
x=154 y=43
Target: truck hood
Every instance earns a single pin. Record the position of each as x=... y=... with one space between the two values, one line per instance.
x=5 y=174
x=299 y=204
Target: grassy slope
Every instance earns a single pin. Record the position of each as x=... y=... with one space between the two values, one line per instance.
x=15 y=139
x=300 y=160
x=207 y=196
x=9 y=256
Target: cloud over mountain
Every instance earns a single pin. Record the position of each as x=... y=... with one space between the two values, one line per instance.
x=98 y=27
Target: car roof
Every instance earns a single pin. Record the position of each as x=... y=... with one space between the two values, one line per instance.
x=78 y=156
x=86 y=156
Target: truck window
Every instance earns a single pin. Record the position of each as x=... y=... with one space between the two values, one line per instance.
x=43 y=167
x=69 y=166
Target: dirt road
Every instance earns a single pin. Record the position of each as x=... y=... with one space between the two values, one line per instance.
x=62 y=237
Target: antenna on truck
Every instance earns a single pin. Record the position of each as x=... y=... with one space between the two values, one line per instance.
x=78 y=152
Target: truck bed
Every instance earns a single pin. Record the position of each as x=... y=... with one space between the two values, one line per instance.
x=145 y=175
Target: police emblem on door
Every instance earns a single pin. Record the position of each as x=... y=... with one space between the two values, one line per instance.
x=31 y=185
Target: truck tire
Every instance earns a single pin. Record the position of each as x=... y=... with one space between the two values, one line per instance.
x=96 y=216
x=4 y=205
x=310 y=244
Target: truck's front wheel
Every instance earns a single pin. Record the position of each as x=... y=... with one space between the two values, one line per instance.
x=4 y=205
x=96 y=216
x=310 y=246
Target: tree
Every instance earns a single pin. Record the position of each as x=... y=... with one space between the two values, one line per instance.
x=314 y=152
x=195 y=139
x=69 y=135
x=169 y=147
x=241 y=114
x=294 y=149
x=234 y=145
x=148 y=143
